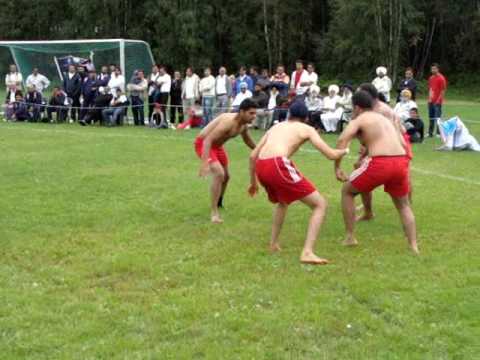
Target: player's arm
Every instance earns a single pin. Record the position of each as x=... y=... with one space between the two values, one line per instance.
x=343 y=142
x=247 y=139
x=322 y=146
x=252 y=190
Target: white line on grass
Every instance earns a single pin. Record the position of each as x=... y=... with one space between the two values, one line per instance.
x=420 y=171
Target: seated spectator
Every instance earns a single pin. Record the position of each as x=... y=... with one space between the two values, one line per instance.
x=34 y=100
x=195 y=118
x=314 y=105
x=242 y=95
x=281 y=80
x=383 y=83
x=58 y=104
x=9 y=101
x=158 y=119
x=402 y=108
x=20 y=111
x=102 y=101
x=332 y=112
x=113 y=116
x=345 y=103
x=261 y=98
x=414 y=126
x=283 y=105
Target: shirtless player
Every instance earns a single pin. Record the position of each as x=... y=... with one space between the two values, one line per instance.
x=270 y=162
x=386 y=164
x=209 y=148
x=382 y=108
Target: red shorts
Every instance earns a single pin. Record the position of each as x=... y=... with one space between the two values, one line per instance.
x=216 y=153
x=282 y=181
x=409 y=149
x=390 y=171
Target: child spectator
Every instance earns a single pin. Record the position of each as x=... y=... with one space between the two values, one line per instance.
x=414 y=126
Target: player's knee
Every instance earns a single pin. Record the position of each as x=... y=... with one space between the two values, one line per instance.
x=322 y=203
x=226 y=177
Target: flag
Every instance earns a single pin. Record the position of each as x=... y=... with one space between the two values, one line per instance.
x=455 y=135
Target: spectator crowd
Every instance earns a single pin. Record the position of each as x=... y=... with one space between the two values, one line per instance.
x=162 y=100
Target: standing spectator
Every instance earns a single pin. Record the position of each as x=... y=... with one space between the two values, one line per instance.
x=207 y=92
x=273 y=102
x=281 y=80
x=102 y=101
x=408 y=83
x=153 y=89
x=261 y=98
x=138 y=87
x=402 y=108
x=89 y=92
x=113 y=116
x=165 y=84
x=243 y=78
x=104 y=77
x=190 y=89
x=14 y=78
x=223 y=90
x=112 y=68
x=299 y=78
x=33 y=99
x=311 y=78
x=81 y=70
x=58 y=104
x=72 y=84
x=38 y=80
x=437 y=85
x=242 y=95
x=176 y=98
x=116 y=81
x=254 y=75
x=383 y=83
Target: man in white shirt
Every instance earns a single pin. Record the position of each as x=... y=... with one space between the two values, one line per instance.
x=383 y=83
x=299 y=76
x=38 y=80
x=242 y=95
x=311 y=78
x=13 y=78
x=153 y=89
x=190 y=90
x=164 y=85
x=117 y=81
x=207 y=92
x=223 y=90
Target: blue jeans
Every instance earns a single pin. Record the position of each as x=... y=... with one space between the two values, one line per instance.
x=207 y=104
x=434 y=113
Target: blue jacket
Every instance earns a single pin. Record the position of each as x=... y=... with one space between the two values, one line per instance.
x=105 y=80
x=20 y=110
x=89 y=89
x=73 y=86
x=247 y=79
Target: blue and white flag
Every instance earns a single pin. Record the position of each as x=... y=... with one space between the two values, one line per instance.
x=455 y=135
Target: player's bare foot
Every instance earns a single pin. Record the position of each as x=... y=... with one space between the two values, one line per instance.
x=275 y=247
x=350 y=241
x=415 y=249
x=312 y=259
x=359 y=208
x=364 y=217
x=216 y=219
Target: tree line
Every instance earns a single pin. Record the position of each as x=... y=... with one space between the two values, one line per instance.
x=345 y=39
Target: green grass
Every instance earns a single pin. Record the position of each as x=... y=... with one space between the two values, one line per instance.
x=107 y=253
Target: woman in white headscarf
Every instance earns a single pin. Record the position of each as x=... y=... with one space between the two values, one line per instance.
x=403 y=107
x=332 y=111
x=383 y=83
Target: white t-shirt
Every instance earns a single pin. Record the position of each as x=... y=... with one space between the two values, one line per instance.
x=221 y=88
x=272 y=101
x=166 y=83
x=152 y=78
x=14 y=79
x=303 y=78
x=329 y=103
x=190 y=83
x=311 y=77
x=240 y=97
x=39 y=81
x=117 y=82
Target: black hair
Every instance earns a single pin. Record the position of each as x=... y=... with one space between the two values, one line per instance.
x=370 y=89
x=362 y=99
x=248 y=104
x=436 y=65
x=415 y=110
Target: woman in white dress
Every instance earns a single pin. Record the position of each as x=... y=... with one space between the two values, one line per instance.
x=332 y=111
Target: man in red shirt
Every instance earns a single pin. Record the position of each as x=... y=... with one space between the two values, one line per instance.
x=437 y=85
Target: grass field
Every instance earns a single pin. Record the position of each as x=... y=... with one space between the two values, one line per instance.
x=107 y=253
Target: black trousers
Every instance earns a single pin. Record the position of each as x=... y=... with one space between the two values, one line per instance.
x=176 y=108
x=163 y=100
x=75 y=107
x=151 y=100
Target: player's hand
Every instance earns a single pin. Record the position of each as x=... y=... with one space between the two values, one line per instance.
x=204 y=169
x=341 y=176
x=253 y=190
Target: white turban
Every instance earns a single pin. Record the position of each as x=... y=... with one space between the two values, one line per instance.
x=315 y=89
x=334 y=88
x=381 y=70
